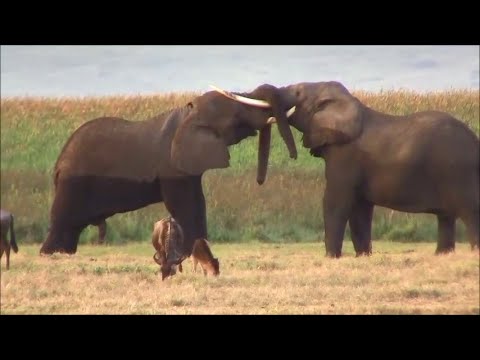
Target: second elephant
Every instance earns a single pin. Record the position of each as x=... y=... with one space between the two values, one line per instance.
x=425 y=162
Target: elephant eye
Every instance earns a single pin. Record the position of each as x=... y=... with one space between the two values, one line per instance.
x=297 y=93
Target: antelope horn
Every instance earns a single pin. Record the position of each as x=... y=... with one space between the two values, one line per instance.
x=272 y=120
x=157 y=258
x=244 y=100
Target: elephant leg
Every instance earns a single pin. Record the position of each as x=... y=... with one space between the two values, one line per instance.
x=471 y=221
x=102 y=231
x=7 y=254
x=336 y=210
x=63 y=239
x=66 y=224
x=446 y=234
x=202 y=219
x=185 y=201
x=360 y=223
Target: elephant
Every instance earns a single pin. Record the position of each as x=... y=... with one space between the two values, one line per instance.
x=102 y=231
x=423 y=162
x=7 y=224
x=112 y=165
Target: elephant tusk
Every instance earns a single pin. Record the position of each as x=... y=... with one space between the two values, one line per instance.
x=244 y=100
x=291 y=111
x=272 y=120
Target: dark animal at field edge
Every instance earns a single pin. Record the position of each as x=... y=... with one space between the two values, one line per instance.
x=6 y=226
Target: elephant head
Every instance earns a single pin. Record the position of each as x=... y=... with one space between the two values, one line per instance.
x=326 y=113
x=218 y=119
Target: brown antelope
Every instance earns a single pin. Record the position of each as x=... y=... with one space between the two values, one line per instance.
x=202 y=254
x=6 y=224
x=167 y=239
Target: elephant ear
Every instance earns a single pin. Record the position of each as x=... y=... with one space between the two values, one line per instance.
x=197 y=148
x=337 y=120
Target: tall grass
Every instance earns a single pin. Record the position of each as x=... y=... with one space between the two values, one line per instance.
x=286 y=208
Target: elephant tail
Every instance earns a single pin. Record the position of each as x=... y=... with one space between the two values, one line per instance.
x=13 y=242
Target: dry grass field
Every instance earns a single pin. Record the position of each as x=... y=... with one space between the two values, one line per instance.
x=284 y=271
x=256 y=278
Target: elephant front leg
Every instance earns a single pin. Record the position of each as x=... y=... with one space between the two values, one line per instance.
x=446 y=234
x=185 y=201
x=61 y=239
x=360 y=222
x=336 y=208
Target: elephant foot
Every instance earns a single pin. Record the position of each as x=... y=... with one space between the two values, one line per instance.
x=334 y=254
x=59 y=241
x=49 y=251
x=444 y=250
x=363 y=253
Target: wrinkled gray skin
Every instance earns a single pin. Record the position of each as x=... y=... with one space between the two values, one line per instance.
x=426 y=162
x=6 y=225
x=112 y=165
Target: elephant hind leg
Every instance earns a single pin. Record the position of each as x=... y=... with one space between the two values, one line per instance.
x=446 y=234
x=471 y=221
x=102 y=231
x=360 y=223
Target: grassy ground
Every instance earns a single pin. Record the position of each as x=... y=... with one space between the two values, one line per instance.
x=286 y=208
x=256 y=278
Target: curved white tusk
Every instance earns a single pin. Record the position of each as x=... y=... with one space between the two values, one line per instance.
x=291 y=111
x=244 y=100
x=272 y=120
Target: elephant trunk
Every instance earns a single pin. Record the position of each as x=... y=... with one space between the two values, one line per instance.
x=284 y=126
x=273 y=96
x=263 y=153
x=268 y=96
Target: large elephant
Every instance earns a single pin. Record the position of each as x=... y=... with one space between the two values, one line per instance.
x=112 y=165
x=425 y=162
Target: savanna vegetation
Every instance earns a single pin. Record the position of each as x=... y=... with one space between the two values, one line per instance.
x=287 y=208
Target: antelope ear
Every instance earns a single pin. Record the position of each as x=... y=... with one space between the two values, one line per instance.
x=336 y=121
x=197 y=148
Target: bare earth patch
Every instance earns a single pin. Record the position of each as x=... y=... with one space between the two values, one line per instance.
x=256 y=278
